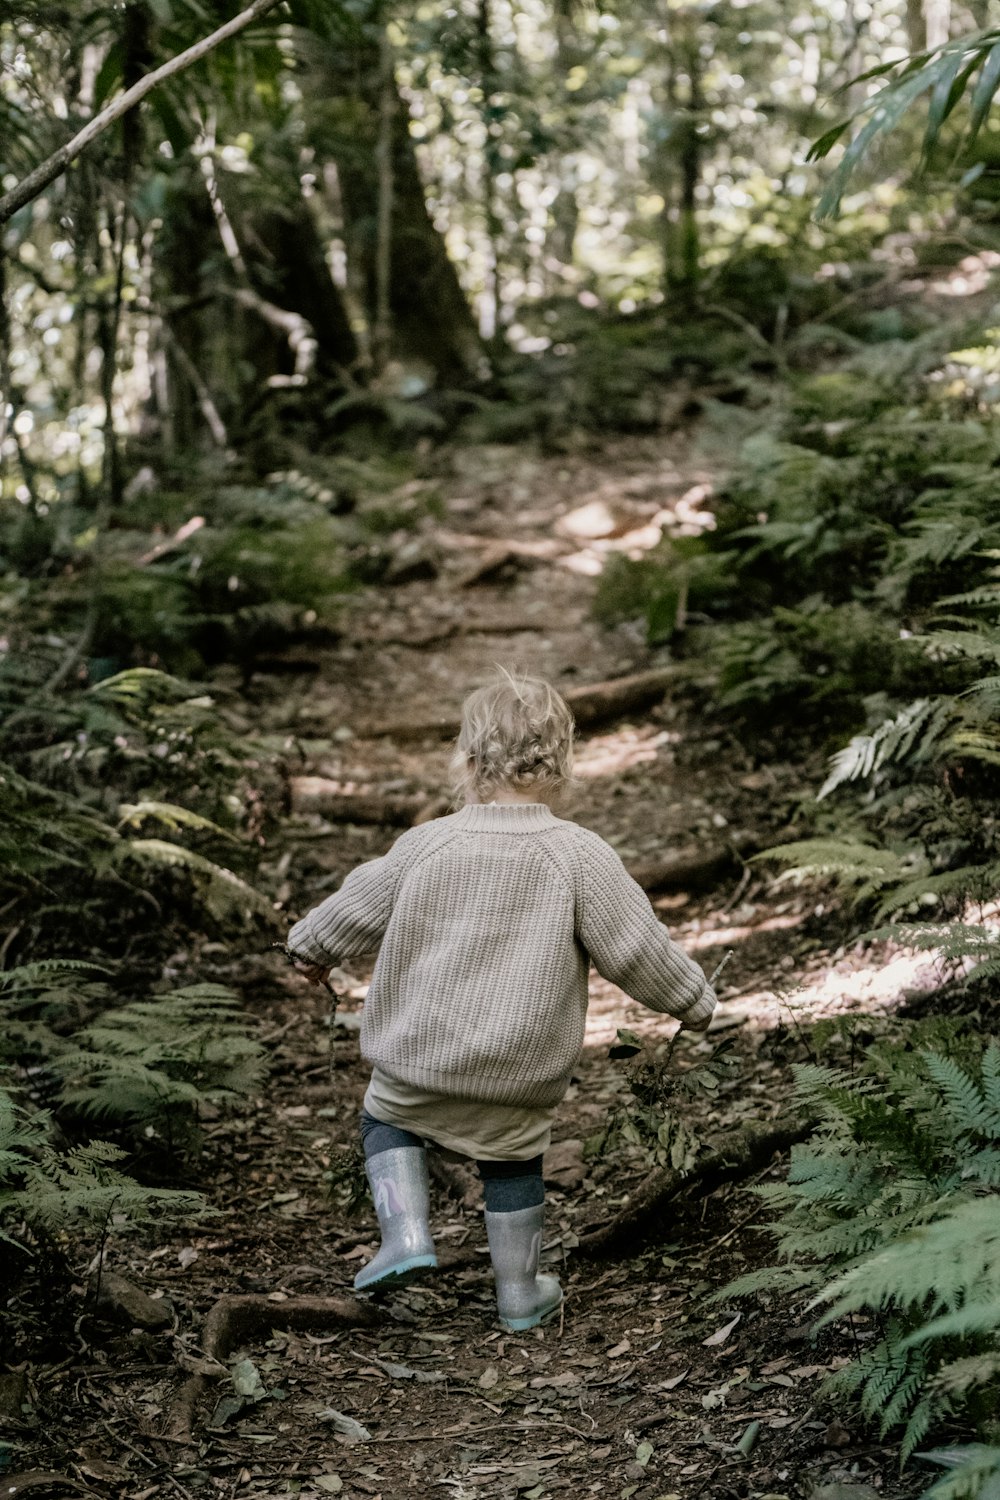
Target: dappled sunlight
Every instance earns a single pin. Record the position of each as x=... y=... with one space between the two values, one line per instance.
x=718 y=937
x=610 y=754
x=972 y=275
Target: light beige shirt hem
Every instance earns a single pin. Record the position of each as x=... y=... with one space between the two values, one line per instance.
x=483 y=1131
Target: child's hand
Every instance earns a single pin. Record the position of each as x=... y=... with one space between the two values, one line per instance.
x=318 y=974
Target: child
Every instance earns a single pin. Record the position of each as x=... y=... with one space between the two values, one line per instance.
x=488 y=921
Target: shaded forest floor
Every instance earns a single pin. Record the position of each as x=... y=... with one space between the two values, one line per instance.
x=646 y=1386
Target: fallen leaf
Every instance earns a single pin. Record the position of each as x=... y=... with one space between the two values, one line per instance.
x=619 y=1349
x=643 y=1453
x=187 y=1256
x=332 y=1484
x=721 y=1334
x=673 y=1382
x=226 y=1409
x=247 y=1381
x=404 y=1372
x=489 y=1378
x=346 y=1426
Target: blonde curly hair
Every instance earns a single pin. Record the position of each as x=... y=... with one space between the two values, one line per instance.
x=516 y=735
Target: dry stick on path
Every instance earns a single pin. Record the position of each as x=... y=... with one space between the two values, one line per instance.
x=591 y=705
x=55 y=165
x=748 y=1151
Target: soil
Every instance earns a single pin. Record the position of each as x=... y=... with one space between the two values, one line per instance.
x=649 y=1385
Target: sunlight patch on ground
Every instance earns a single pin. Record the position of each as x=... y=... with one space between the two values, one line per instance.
x=873 y=987
x=609 y=754
x=715 y=937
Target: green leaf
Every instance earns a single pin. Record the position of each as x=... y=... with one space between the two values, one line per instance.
x=986 y=87
x=628 y=1044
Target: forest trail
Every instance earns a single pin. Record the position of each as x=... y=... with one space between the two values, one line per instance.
x=646 y=1388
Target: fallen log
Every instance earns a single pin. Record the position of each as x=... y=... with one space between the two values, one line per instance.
x=236 y=1320
x=748 y=1151
x=591 y=705
x=694 y=869
x=318 y=794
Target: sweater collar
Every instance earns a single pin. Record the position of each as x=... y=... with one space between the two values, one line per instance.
x=507 y=817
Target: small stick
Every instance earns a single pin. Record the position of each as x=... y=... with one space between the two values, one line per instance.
x=711 y=979
x=295 y=959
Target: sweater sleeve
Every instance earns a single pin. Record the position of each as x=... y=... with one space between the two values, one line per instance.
x=351 y=921
x=628 y=944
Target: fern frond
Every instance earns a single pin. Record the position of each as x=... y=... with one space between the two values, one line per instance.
x=912 y=733
x=848 y=861
x=973 y=1473
x=769 y=1279
x=963 y=1097
x=940 y=1266
x=134 y=814
x=49 y=971
x=226 y=895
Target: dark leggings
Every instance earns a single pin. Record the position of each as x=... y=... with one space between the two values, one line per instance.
x=507 y=1185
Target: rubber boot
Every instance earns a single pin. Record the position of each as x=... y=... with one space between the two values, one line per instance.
x=398 y=1180
x=524 y=1298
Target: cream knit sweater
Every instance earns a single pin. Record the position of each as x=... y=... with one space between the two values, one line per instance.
x=488 y=921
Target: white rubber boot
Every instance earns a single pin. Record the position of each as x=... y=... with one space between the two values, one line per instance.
x=400 y=1189
x=524 y=1298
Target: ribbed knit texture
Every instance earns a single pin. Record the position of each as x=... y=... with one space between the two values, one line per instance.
x=488 y=920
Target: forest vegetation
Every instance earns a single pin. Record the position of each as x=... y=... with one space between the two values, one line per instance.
x=247 y=336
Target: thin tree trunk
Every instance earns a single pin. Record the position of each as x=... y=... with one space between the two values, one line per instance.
x=431 y=319
x=916 y=26
x=690 y=257
x=490 y=299
x=382 y=325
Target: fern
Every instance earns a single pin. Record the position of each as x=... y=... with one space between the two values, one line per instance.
x=973 y=1473
x=69 y=1195
x=226 y=897
x=152 y=1063
x=895 y=1192
x=850 y=862
x=913 y=732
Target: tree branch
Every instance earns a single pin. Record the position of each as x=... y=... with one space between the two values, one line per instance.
x=55 y=165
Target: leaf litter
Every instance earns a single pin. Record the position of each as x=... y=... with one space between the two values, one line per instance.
x=434 y=1399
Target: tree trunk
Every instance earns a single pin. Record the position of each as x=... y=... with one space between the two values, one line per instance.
x=284 y=256
x=431 y=319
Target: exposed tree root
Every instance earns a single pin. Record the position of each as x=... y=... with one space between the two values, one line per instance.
x=748 y=1151
x=236 y=1320
x=602 y=701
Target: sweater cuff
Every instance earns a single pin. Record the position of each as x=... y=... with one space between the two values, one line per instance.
x=302 y=944
x=701 y=1012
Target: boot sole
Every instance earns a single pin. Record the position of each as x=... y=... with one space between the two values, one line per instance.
x=519 y=1325
x=400 y=1274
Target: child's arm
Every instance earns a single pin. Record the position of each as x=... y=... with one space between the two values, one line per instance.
x=352 y=920
x=631 y=947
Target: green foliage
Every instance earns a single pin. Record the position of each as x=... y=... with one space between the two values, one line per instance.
x=146 y=1066
x=151 y=1064
x=964 y=69
x=896 y=1191
x=655 y=1123
x=973 y=1473
x=61 y=1196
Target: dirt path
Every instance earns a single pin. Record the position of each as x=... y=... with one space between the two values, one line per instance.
x=641 y=1390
